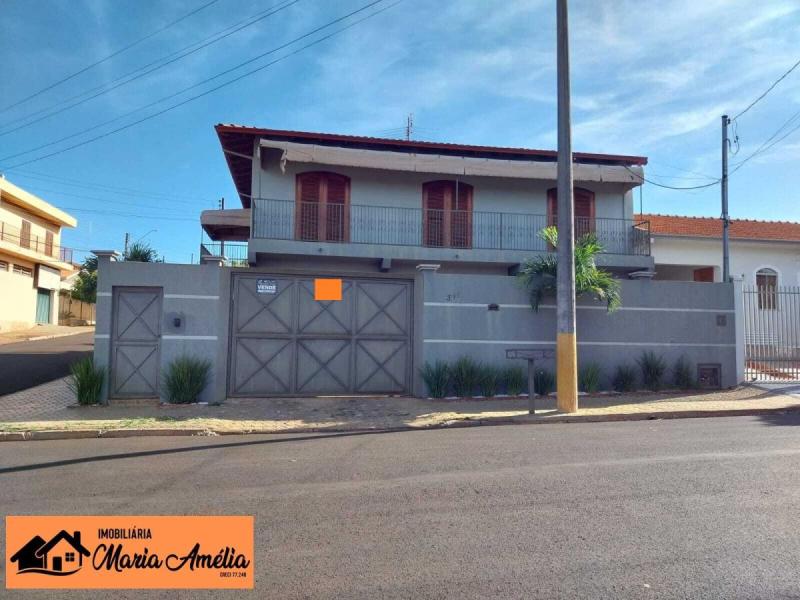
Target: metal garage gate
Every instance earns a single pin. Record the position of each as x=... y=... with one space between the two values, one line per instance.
x=772 y=333
x=285 y=343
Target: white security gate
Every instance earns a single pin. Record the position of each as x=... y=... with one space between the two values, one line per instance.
x=772 y=333
x=286 y=343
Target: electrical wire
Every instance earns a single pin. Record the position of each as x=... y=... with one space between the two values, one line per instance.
x=110 y=56
x=25 y=174
x=222 y=85
x=768 y=90
x=671 y=187
x=62 y=107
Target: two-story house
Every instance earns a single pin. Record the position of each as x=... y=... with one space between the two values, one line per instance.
x=340 y=202
x=32 y=259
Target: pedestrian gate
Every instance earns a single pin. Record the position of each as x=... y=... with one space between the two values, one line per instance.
x=286 y=343
x=772 y=333
x=135 y=342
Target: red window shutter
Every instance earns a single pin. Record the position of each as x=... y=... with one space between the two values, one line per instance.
x=434 y=203
x=25 y=235
x=48 y=243
x=337 y=224
x=309 y=188
x=583 y=210
x=461 y=217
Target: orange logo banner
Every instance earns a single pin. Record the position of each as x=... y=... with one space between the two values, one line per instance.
x=146 y=552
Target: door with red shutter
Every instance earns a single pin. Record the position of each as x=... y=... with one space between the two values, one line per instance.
x=322 y=207
x=584 y=210
x=447 y=214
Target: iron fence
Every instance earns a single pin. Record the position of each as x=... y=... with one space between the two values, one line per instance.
x=396 y=226
x=772 y=333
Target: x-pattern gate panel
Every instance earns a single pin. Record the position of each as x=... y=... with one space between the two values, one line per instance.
x=136 y=336
x=284 y=342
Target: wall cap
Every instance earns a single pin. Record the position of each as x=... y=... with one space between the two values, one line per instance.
x=109 y=254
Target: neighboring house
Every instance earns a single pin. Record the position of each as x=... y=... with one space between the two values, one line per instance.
x=339 y=201
x=32 y=260
x=763 y=253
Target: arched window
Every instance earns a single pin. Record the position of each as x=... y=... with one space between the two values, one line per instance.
x=584 y=210
x=767 y=283
x=447 y=214
x=322 y=211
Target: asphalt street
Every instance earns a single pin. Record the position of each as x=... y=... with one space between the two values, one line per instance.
x=26 y=364
x=696 y=508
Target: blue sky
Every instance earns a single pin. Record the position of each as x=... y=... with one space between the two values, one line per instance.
x=649 y=78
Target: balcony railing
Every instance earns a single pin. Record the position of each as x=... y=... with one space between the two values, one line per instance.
x=37 y=243
x=234 y=253
x=364 y=224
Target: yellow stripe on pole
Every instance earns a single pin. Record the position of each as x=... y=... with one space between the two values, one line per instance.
x=567 y=372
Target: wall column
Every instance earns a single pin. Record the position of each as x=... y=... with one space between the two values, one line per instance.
x=738 y=306
x=102 y=331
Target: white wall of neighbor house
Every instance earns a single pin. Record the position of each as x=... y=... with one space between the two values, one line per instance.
x=677 y=257
x=18 y=297
x=404 y=189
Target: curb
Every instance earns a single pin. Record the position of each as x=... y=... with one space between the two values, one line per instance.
x=43 y=337
x=24 y=436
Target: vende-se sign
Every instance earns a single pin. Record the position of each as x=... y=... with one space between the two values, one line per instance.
x=129 y=552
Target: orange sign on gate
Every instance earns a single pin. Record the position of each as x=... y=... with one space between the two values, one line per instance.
x=328 y=289
x=146 y=552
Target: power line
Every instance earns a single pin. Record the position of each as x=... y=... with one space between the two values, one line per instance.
x=159 y=208
x=62 y=107
x=110 y=56
x=768 y=90
x=767 y=145
x=222 y=85
x=108 y=189
x=670 y=187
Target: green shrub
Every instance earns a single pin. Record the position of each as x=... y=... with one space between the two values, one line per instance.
x=653 y=368
x=184 y=379
x=514 y=379
x=683 y=375
x=589 y=378
x=86 y=381
x=544 y=382
x=465 y=373
x=436 y=377
x=624 y=379
x=488 y=380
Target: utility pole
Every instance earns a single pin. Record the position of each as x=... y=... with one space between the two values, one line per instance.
x=409 y=125
x=566 y=346
x=726 y=261
x=127 y=239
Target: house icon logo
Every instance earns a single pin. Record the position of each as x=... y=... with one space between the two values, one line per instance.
x=62 y=555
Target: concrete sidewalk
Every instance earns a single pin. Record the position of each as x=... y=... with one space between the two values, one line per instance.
x=49 y=408
x=42 y=332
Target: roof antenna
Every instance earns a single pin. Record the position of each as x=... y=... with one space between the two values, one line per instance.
x=409 y=126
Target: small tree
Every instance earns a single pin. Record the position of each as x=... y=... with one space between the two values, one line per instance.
x=538 y=275
x=85 y=286
x=141 y=252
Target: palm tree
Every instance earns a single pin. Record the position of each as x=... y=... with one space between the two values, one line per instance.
x=141 y=252
x=538 y=275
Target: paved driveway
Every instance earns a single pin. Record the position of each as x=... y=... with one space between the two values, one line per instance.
x=695 y=508
x=26 y=364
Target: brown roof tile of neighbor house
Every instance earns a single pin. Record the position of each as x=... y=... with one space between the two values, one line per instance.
x=745 y=229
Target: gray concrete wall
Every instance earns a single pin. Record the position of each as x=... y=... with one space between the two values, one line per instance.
x=198 y=293
x=670 y=318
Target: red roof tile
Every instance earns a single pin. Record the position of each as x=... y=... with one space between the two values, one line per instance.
x=745 y=229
